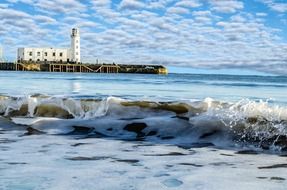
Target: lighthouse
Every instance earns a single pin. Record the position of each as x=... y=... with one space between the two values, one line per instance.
x=1 y=54
x=75 y=46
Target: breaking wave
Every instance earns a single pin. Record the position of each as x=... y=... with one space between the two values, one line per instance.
x=248 y=123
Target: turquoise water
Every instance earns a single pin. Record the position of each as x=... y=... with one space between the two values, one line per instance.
x=148 y=87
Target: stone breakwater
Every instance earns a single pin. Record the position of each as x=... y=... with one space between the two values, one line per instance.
x=85 y=68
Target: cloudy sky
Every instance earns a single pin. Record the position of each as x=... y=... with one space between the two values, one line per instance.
x=205 y=34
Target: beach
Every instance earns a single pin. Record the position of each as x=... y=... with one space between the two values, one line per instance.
x=137 y=131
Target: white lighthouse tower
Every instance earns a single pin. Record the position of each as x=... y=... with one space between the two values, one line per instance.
x=75 y=46
x=1 y=54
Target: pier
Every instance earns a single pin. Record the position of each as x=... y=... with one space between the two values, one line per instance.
x=51 y=59
x=83 y=68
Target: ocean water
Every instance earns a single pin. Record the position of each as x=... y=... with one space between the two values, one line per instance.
x=136 y=131
x=174 y=87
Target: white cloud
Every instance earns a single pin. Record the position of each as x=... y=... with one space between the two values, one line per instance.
x=261 y=14
x=101 y=3
x=189 y=3
x=12 y=14
x=4 y=5
x=178 y=10
x=201 y=13
x=173 y=32
x=59 y=6
x=22 y=1
x=44 y=19
x=131 y=4
x=280 y=7
x=226 y=6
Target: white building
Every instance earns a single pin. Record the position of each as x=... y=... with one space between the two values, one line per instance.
x=72 y=54
x=43 y=54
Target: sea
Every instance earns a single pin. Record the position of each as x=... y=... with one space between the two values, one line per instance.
x=92 y=131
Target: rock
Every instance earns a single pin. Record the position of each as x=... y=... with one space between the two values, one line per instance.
x=256 y=120
x=82 y=158
x=221 y=164
x=48 y=110
x=264 y=142
x=130 y=119
x=281 y=141
x=130 y=161
x=175 y=154
x=181 y=117
x=32 y=131
x=80 y=130
x=273 y=166
x=226 y=154
x=95 y=134
x=276 y=140
x=246 y=152
x=79 y=144
x=252 y=120
x=284 y=154
x=137 y=128
x=168 y=154
x=167 y=137
x=23 y=111
x=201 y=145
x=205 y=135
x=152 y=133
x=177 y=108
x=16 y=163
x=191 y=164
x=277 y=178
x=261 y=177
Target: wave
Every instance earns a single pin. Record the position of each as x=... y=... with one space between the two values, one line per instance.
x=246 y=122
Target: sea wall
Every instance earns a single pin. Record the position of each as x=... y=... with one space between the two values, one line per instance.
x=7 y=66
x=87 y=67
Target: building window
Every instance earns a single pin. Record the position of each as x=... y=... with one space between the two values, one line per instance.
x=30 y=53
x=38 y=59
x=38 y=53
x=46 y=53
x=30 y=59
x=61 y=54
x=45 y=60
x=77 y=53
x=54 y=54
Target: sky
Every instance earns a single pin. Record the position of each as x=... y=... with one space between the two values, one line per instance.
x=184 y=35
